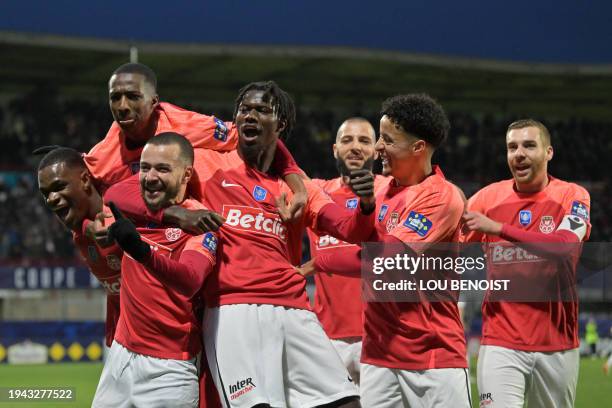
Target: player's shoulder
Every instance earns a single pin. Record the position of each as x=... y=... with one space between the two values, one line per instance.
x=328 y=185
x=492 y=192
x=192 y=204
x=564 y=188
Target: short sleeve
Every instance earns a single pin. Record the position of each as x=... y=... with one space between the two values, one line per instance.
x=432 y=218
x=577 y=208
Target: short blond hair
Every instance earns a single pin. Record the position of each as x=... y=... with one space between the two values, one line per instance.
x=524 y=123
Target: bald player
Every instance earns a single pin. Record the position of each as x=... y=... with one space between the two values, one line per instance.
x=337 y=301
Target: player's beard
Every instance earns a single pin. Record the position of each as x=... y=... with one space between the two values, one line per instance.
x=345 y=171
x=166 y=198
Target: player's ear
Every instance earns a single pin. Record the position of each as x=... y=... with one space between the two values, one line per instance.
x=86 y=180
x=419 y=146
x=549 y=153
x=187 y=174
x=155 y=100
x=335 y=149
x=281 y=126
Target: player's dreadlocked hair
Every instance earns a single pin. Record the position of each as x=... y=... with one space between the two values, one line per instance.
x=67 y=155
x=419 y=115
x=280 y=100
x=136 y=68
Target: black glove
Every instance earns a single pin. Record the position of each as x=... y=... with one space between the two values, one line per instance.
x=124 y=232
x=361 y=181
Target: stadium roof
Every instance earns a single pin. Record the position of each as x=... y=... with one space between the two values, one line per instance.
x=554 y=31
x=347 y=77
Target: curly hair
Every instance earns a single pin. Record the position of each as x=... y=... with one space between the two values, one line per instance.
x=420 y=115
x=281 y=101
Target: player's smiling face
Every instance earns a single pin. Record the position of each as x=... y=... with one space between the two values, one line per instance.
x=257 y=122
x=528 y=158
x=395 y=148
x=163 y=176
x=65 y=193
x=354 y=147
x=132 y=101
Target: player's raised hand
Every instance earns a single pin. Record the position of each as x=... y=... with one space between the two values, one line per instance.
x=126 y=235
x=361 y=182
x=195 y=222
x=475 y=221
x=97 y=231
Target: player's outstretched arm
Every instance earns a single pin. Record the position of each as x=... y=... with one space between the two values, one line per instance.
x=127 y=237
x=351 y=226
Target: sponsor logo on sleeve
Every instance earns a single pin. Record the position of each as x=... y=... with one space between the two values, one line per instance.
x=351 y=203
x=209 y=242
x=525 y=217
x=383 y=212
x=259 y=193
x=580 y=210
x=254 y=220
x=575 y=224
x=418 y=223
x=135 y=167
x=547 y=224
x=173 y=234
x=220 y=130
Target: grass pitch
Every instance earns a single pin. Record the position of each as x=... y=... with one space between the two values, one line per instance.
x=594 y=388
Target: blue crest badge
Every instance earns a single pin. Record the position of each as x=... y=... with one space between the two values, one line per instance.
x=209 y=242
x=383 y=212
x=525 y=217
x=580 y=210
x=351 y=203
x=418 y=223
x=259 y=193
x=220 y=130
x=92 y=252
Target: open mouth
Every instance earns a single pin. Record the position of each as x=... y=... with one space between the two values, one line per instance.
x=522 y=170
x=62 y=212
x=250 y=132
x=127 y=122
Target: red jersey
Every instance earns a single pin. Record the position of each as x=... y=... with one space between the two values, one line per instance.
x=258 y=250
x=337 y=301
x=425 y=335
x=110 y=161
x=157 y=320
x=534 y=326
x=105 y=265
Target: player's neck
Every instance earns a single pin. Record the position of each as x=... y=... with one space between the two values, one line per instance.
x=260 y=160
x=415 y=175
x=140 y=138
x=534 y=187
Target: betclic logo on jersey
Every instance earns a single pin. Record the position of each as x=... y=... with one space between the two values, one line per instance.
x=255 y=220
x=327 y=242
x=508 y=254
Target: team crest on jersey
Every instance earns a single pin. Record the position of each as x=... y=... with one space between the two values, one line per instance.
x=172 y=234
x=351 y=203
x=135 y=167
x=113 y=262
x=383 y=212
x=92 y=253
x=209 y=242
x=392 y=221
x=418 y=223
x=525 y=217
x=547 y=224
x=259 y=193
x=220 y=130
x=580 y=210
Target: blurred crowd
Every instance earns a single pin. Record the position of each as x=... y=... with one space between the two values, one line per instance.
x=474 y=155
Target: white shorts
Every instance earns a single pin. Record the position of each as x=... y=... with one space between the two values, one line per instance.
x=349 y=350
x=265 y=354
x=509 y=378
x=133 y=380
x=383 y=387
